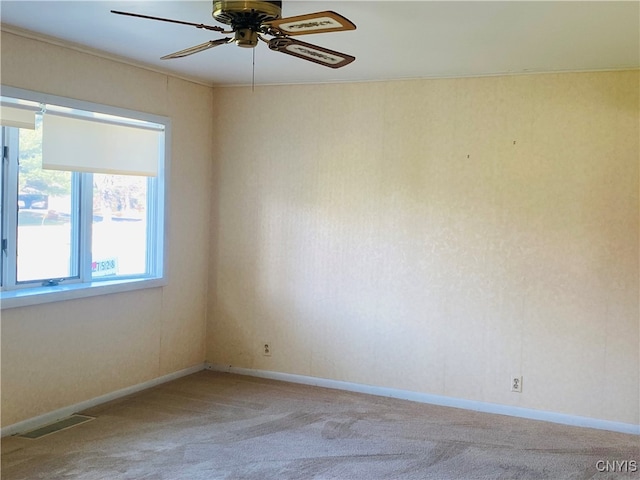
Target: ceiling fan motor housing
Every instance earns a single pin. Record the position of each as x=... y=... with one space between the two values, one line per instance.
x=246 y=13
x=246 y=17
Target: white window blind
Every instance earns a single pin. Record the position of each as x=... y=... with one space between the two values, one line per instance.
x=88 y=145
x=17 y=117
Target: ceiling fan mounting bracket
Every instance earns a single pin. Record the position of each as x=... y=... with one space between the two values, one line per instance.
x=246 y=14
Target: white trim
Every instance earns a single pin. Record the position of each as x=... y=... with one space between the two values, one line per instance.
x=50 y=417
x=441 y=400
x=57 y=101
x=485 y=407
x=71 y=291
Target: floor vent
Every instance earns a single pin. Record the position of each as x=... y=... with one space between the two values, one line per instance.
x=62 y=424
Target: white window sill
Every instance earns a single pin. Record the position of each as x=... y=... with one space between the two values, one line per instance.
x=36 y=296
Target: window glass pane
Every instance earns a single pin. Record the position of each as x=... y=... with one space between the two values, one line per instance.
x=119 y=229
x=45 y=232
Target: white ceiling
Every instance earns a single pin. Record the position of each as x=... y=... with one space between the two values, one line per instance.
x=393 y=40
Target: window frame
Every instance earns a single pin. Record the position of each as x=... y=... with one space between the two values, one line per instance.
x=23 y=294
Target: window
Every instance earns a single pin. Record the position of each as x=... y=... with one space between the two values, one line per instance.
x=82 y=194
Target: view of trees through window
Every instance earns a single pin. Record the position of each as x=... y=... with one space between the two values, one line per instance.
x=47 y=223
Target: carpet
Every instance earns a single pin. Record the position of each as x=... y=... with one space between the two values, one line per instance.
x=214 y=425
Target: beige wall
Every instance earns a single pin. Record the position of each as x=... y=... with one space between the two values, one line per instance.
x=435 y=236
x=58 y=354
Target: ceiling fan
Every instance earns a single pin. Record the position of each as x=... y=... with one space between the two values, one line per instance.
x=254 y=20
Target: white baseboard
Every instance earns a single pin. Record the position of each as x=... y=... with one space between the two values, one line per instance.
x=50 y=417
x=485 y=407
x=577 y=421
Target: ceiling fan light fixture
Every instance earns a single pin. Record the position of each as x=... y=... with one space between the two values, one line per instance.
x=245 y=37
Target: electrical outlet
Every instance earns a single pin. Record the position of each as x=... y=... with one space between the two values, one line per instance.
x=516 y=384
x=266 y=349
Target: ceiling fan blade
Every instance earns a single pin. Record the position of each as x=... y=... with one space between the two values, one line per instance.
x=319 y=22
x=197 y=48
x=313 y=53
x=197 y=25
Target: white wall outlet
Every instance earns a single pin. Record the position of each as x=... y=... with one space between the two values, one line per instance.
x=516 y=383
x=266 y=349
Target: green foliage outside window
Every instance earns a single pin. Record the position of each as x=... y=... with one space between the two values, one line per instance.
x=32 y=178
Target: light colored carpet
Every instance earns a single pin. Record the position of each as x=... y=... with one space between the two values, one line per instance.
x=215 y=425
